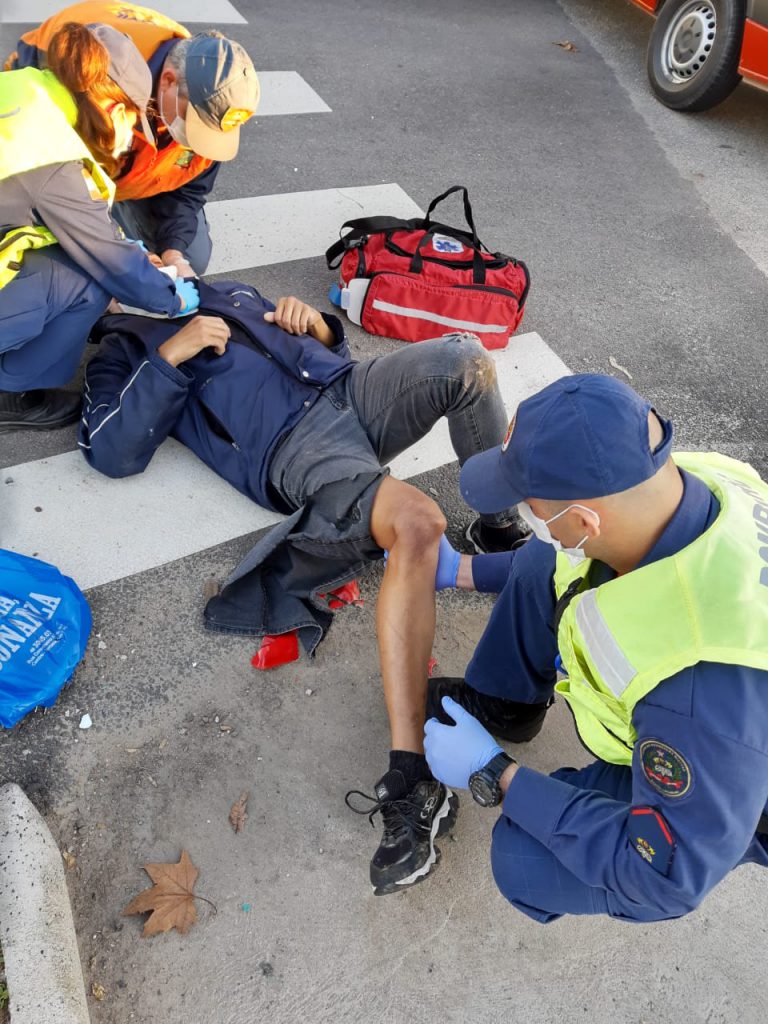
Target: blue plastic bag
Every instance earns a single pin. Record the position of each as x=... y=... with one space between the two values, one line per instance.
x=45 y=623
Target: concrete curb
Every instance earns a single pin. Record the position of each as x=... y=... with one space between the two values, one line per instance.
x=42 y=961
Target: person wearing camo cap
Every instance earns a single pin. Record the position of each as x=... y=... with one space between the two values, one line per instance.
x=204 y=88
x=62 y=256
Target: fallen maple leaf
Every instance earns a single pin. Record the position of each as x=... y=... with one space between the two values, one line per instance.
x=170 y=900
x=238 y=813
x=569 y=46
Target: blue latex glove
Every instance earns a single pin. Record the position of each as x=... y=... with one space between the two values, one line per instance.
x=448 y=560
x=138 y=241
x=454 y=752
x=190 y=298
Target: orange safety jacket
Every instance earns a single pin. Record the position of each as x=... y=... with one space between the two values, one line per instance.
x=148 y=170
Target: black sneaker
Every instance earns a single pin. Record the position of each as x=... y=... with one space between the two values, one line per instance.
x=489 y=540
x=413 y=819
x=506 y=719
x=47 y=409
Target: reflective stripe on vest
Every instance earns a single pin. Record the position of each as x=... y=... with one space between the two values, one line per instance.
x=15 y=243
x=608 y=658
x=707 y=602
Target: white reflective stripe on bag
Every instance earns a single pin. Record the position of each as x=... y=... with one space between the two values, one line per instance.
x=435 y=318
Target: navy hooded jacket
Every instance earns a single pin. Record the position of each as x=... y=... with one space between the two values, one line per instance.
x=230 y=410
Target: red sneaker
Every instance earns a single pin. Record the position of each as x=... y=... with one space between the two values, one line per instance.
x=276 y=650
x=349 y=593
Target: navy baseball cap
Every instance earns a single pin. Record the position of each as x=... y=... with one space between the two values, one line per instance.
x=584 y=436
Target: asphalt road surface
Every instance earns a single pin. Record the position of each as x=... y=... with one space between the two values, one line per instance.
x=645 y=233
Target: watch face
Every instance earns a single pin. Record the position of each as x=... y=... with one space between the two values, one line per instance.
x=481 y=790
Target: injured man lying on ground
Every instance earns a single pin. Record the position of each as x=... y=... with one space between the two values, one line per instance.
x=271 y=400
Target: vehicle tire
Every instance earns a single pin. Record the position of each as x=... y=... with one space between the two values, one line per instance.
x=693 y=52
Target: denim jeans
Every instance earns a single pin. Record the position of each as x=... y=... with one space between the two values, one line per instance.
x=385 y=405
x=46 y=314
x=328 y=469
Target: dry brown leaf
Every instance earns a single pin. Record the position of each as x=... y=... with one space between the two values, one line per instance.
x=69 y=859
x=238 y=813
x=171 y=899
x=568 y=45
x=98 y=991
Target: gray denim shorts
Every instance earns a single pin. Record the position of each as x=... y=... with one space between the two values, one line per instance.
x=328 y=459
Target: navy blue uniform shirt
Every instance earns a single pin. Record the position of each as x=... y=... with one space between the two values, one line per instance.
x=699 y=776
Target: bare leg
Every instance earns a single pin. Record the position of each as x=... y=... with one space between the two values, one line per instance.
x=408 y=525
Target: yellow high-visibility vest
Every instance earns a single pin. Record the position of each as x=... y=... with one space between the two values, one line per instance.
x=37 y=115
x=708 y=602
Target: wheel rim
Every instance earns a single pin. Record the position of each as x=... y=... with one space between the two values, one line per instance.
x=688 y=41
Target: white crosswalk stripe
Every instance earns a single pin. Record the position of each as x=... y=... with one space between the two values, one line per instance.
x=286 y=92
x=261 y=230
x=178 y=506
x=212 y=12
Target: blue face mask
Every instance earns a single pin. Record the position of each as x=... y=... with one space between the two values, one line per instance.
x=541 y=530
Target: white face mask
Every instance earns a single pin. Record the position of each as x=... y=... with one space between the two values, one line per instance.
x=177 y=129
x=123 y=136
x=541 y=530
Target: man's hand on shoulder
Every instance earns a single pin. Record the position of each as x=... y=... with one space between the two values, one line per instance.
x=202 y=332
x=297 y=317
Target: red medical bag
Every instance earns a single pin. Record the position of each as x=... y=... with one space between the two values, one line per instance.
x=426 y=279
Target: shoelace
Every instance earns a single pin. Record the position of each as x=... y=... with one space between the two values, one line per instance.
x=393 y=812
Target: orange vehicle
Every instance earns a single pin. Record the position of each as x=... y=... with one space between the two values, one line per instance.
x=700 y=50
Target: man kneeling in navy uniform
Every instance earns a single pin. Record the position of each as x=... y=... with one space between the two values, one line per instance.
x=645 y=589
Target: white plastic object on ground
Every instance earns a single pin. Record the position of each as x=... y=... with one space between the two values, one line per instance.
x=353 y=297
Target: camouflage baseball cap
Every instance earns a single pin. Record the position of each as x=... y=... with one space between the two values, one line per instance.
x=223 y=93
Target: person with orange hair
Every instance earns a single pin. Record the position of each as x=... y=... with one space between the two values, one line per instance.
x=204 y=88
x=62 y=257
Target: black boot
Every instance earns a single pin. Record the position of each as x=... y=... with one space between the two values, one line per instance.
x=48 y=409
x=487 y=540
x=507 y=719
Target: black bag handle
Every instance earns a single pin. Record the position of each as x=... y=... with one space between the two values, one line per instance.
x=359 y=229
x=478 y=263
x=467 y=211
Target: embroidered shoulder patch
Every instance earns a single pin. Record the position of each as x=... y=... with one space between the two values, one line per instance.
x=665 y=768
x=652 y=838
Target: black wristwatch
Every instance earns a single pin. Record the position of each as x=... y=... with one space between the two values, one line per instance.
x=484 y=785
